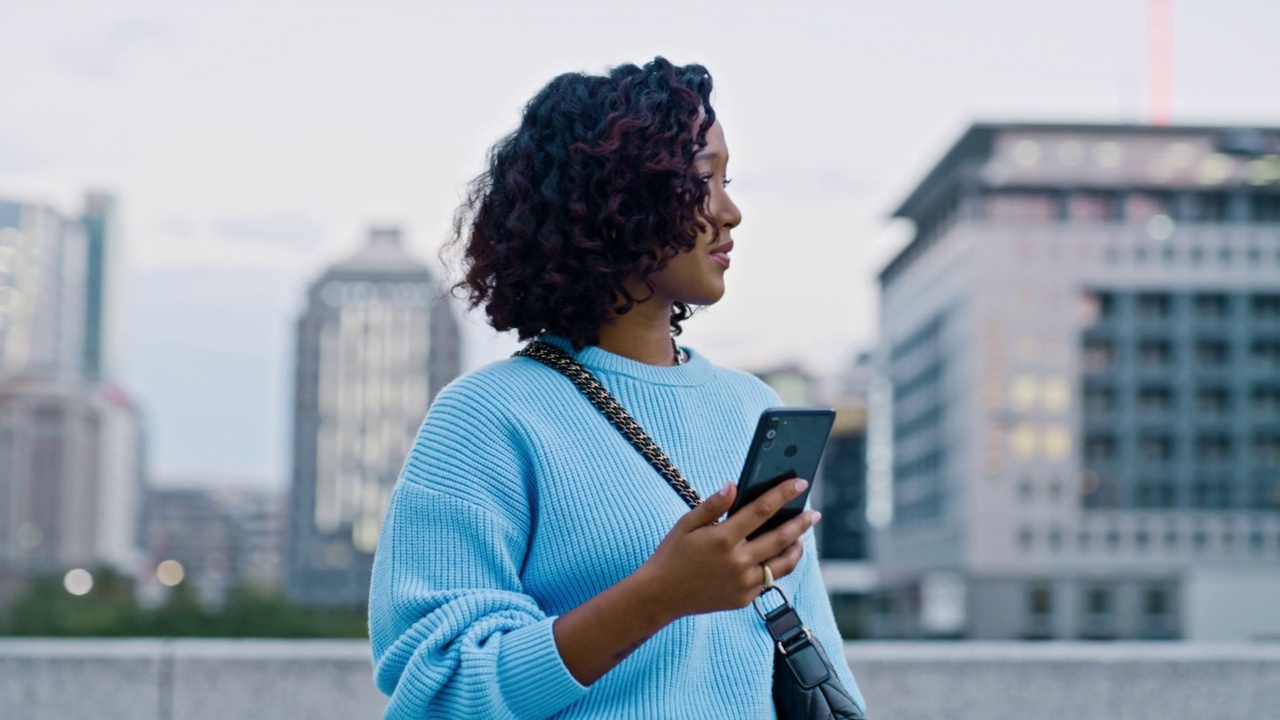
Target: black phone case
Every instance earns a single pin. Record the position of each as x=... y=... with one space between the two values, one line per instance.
x=800 y=435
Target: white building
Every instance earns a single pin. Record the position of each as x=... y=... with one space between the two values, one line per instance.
x=42 y=290
x=1083 y=345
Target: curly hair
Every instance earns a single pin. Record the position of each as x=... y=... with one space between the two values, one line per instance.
x=597 y=185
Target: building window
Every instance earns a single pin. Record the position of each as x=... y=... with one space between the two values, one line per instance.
x=1040 y=599
x=1170 y=538
x=1152 y=306
x=1113 y=539
x=1213 y=401
x=1101 y=399
x=1256 y=541
x=1266 y=450
x=1211 y=307
x=1155 y=448
x=1099 y=448
x=1155 y=399
x=1264 y=495
x=1141 y=539
x=1055 y=539
x=1097 y=601
x=1154 y=354
x=1024 y=539
x=1024 y=490
x=1266 y=399
x=1021 y=206
x=1098 y=355
x=1212 y=353
x=1156 y=602
x=1213 y=448
x=1266 y=307
x=1145 y=494
x=1092 y=207
x=1266 y=354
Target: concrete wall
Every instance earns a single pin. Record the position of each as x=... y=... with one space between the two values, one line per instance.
x=43 y=679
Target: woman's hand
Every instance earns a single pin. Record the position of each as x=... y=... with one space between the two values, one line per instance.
x=701 y=567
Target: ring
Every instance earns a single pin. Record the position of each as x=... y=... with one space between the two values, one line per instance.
x=768 y=575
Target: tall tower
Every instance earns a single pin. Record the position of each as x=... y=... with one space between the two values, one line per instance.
x=42 y=282
x=375 y=344
x=1083 y=348
x=99 y=222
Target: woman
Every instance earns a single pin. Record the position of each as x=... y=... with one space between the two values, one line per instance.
x=532 y=564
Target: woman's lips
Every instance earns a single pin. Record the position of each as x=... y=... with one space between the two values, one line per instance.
x=721 y=254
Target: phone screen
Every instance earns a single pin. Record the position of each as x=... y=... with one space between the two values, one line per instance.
x=788 y=443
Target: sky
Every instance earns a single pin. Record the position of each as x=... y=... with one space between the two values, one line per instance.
x=252 y=144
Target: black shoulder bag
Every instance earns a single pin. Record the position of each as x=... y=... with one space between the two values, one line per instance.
x=805 y=685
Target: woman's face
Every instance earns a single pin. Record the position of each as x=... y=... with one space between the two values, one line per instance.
x=697 y=277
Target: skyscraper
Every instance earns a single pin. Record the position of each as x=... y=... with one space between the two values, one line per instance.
x=101 y=252
x=1082 y=341
x=375 y=344
x=71 y=444
x=42 y=290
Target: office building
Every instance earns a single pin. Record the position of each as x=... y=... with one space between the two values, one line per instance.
x=223 y=539
x=71 y=475
x=375 y=344
x=1076 y=430
x=42 y=290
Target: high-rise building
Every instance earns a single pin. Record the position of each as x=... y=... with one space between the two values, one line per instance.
x=71 y=474
x=1082 y=341
x=101 y=253
x=375 y=344
x=42 y=290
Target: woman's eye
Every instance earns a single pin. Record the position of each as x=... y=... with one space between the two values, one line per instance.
x=727 y=181
x=705 y=177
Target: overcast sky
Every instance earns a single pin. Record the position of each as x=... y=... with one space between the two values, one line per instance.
x=250 y=144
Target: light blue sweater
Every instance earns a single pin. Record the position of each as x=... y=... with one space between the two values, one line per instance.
x=519 y=502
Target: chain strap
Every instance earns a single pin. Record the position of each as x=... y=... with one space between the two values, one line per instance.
x=565 y=364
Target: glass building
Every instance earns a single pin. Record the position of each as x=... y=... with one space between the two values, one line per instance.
x=375 y=344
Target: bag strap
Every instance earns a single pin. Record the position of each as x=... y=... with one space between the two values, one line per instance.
x=562 y=362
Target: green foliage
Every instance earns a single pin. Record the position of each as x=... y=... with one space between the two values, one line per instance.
x=110 y=610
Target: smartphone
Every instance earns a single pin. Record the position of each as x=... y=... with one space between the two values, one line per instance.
x=788 y=443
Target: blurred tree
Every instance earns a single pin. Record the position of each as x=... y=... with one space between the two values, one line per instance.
x=109 y=609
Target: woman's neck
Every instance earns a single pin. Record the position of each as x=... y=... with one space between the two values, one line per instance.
x=643 y=335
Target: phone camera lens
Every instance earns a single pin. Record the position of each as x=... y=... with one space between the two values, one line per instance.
x=771 y=434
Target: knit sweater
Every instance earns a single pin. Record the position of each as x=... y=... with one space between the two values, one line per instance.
x=519 y=501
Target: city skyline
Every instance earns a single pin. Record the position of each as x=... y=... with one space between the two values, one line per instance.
x=247 y=151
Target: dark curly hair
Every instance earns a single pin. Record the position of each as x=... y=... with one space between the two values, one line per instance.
x=596 y=186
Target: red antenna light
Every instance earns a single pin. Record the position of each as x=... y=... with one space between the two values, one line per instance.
x=1160 y=59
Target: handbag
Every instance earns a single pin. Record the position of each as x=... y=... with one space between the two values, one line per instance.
x=805 y=685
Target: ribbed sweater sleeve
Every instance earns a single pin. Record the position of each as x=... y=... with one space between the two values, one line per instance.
x=452 y=631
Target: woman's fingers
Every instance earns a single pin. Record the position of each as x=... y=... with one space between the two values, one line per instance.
x=781 y=538
x=709 y=510
x=785 y=563
x=745 y=521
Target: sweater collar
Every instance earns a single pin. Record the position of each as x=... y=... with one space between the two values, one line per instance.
x=601 y=362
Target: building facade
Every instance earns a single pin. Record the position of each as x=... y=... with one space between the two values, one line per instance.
x=224 y=539
x=1081 y=351
x=375 y=344
x=42 y=290
x=71 y=474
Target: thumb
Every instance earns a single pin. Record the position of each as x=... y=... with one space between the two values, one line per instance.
x=710 y=509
